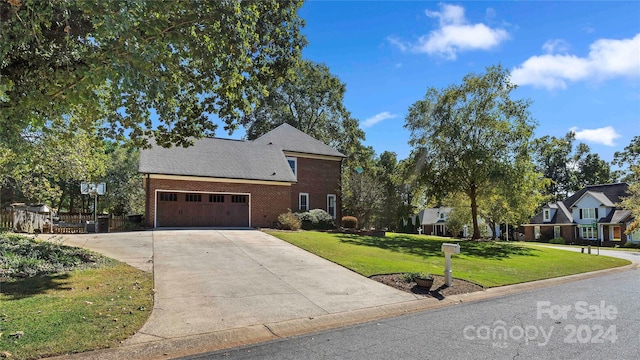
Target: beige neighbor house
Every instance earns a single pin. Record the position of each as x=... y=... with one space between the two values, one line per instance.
x=231 y=183
x=590 y=215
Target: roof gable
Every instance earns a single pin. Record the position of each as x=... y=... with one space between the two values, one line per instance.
x=288 y=138
x=611 y=192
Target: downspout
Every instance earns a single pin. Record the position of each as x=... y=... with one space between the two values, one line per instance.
x=146 y=203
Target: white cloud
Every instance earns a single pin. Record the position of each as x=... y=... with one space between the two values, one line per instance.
x=604 y=136
x=607 y=58
x=555 y=46
x=377 y=118
x=454 y=34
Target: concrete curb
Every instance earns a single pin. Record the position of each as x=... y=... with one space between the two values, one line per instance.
x=227 y=339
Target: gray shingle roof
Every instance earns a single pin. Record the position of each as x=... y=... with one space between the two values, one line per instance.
x=608 y=194
x=432 y=215
x=288 y=138
x=219 y=158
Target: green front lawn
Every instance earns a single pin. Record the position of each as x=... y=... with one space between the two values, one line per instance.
x=57 y=300
x=486 y=263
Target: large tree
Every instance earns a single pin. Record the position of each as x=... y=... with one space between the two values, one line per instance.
x=569 y=167
x=627 y=159
x=630 y=159
x=311 y=101
x=470 y=135
x=121 y=61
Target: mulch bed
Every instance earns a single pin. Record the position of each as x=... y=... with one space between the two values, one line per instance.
x=439 y=290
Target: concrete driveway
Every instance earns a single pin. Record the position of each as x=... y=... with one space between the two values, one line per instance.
x=212 y=280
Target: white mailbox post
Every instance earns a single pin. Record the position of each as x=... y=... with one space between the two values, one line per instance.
x=449 y=249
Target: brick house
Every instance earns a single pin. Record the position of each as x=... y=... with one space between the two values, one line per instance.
x=232 y=183
x=591 y=214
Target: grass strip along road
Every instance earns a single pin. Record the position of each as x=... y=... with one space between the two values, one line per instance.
x=487 y=263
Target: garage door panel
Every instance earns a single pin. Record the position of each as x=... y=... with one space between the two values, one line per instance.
x=202 y=210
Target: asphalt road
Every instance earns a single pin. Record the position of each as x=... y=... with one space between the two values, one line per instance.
x=597 y=318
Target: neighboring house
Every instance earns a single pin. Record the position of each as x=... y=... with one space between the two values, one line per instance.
x=433 y=222
x=590 y=214
x=232 y=183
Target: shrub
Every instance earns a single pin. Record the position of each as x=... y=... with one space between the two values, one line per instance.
x=411 y=276
x=289 y=221
x=559 y=241
x=631 y=245
x=316 y=219
x=350 y=222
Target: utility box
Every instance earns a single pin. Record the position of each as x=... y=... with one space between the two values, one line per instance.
x=451 y=248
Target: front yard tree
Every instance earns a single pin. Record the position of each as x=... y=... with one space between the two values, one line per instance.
x=129 y=59
x=469 y=136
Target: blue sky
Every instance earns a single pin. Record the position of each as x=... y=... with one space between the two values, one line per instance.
x=579 y=62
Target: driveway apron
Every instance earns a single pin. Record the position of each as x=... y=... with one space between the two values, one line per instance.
x=212 y=280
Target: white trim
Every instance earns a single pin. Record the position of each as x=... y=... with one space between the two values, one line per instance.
x=295 y=165
x=312 y=156
x=300 y=201
x=546 y=215
x=335 y=205
x=212 y=179
x=155 y=201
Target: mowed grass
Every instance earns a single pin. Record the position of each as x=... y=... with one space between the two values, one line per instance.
x=488 y=264
x=72 y=311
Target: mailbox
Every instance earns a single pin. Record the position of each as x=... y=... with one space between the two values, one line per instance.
x=451 y=248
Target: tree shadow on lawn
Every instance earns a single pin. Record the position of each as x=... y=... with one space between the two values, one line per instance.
x=428 y=248
x=26 y=287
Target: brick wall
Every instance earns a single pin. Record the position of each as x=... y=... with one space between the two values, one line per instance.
x=317 y=178
x=267 y=201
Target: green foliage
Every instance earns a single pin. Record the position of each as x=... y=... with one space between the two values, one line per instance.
x=457 y=219
x=120 y=60
x=54 y=161
x=22 y=256
x=558 y=241
x=412 y=276
x=289 y=221
x=316 y=219
x=350 y=222
x=631 y=245
x=311 y=100
x=632 y=201
x=627 y=159
x=469 y=136
x=567 y=167
x=125 y=194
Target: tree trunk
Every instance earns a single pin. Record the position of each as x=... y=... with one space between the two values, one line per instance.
x=474 y=211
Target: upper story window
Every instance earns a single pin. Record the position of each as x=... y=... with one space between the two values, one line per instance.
x=589 y=213
x=546 y=215
x=293 y=163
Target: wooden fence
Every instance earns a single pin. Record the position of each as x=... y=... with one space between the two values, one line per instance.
x=69 y=223
x=6 y=219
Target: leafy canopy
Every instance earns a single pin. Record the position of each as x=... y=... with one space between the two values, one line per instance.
x=469 y=137
x=121 y=61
